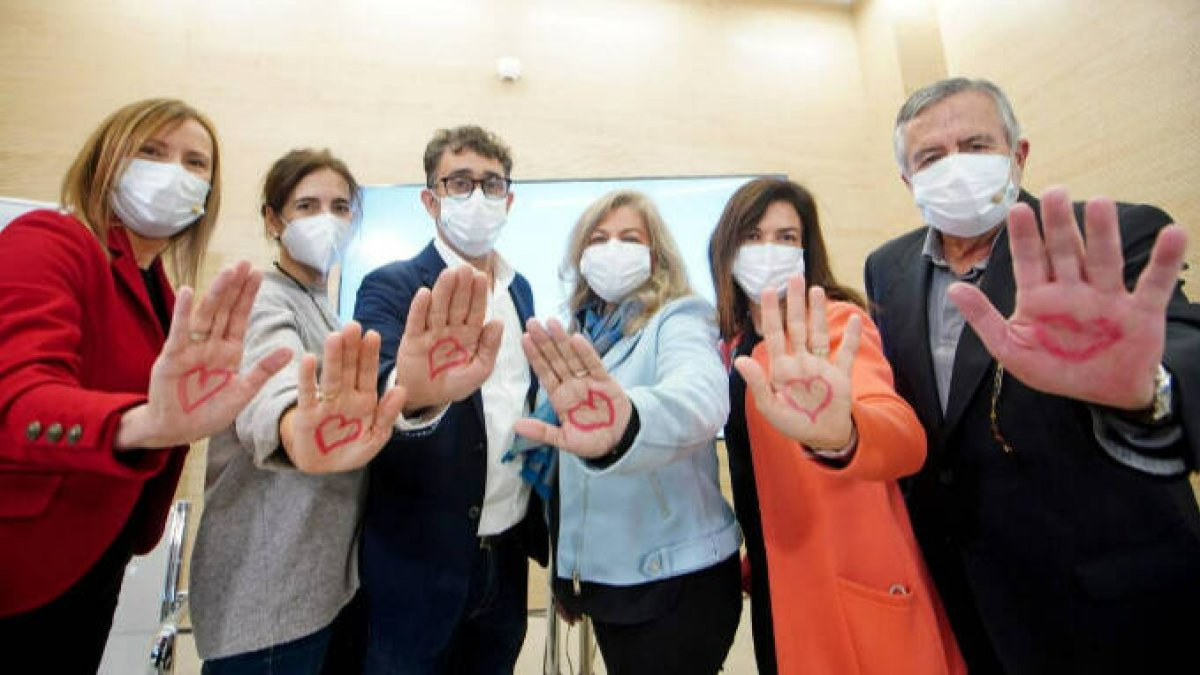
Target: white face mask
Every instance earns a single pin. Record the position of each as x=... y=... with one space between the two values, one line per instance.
x=615 y=268
x=317 y=240
x=758 y=267
x=473 y=225
x=965 y=194
x=158 y=199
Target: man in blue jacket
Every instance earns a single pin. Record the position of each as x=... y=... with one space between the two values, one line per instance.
x=448 y=526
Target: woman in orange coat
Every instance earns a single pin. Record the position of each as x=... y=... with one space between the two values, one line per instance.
x=816 y=444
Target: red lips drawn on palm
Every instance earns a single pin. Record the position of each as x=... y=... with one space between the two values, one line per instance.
x=809 y=395
x=200 y=384
x=335 y=431
x=445 y=354
x=1073 y=340
x=594 y=412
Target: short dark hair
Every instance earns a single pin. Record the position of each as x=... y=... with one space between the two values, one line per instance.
x=466 y=137
x=742 y=213
x=287 y=172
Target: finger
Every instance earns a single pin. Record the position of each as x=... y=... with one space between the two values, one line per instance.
x=1105 y=264
x=538 y=431
x=307 y=384
x=562 y=342
x=227 y=299
x=1157 y=281
x=585 y=352
x=756 y=380
x=368 y=363
x=351 y=345
x=179 y=334
x=489 y=344
x=543 y=340
x=202 y=319
x=1030 y=267
x=772 y=328
x=332 y=364
x=239 y=316
x=439 y=309
x=851 y=337
x=389 y=409
x=262 y=371
x=987 y=323
x=797 y=322
x=460 y=299
x=818 y=325
x=1063 y=242
x=541 y=367
x=479 y=300
x=418 y=314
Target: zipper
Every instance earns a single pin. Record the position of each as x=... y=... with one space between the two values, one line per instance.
x=575 y=581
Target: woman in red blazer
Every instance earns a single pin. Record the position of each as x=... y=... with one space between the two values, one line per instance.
x=816 y=444
x=105 y=378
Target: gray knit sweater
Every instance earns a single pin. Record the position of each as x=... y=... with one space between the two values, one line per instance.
x=275 y=558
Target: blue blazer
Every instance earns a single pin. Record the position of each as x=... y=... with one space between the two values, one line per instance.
x=425 y=489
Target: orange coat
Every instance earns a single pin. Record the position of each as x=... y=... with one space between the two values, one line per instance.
x=849 y=590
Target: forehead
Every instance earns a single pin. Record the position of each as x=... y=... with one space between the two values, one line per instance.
x=779 y=215
x=322 y=183
x=187 y=133
x=469 y=161
x=960 y=115
x=622 y=218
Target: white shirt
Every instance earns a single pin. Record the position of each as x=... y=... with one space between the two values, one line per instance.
x=505 y=494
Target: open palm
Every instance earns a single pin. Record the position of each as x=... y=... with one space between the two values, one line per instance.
x=592 y=408
x=805 y=395
x=447 y=350
x=341 y=424
x=1076 y=331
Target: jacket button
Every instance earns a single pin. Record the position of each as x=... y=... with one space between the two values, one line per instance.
x=33 y=430
x=54 y=432
x=74 y=434
x=473 y=513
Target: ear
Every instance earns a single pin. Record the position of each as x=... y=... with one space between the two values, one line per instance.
x=272 y=222
x=1022 y=153
x=906 y=180
x=508 y=204
x=430 y=201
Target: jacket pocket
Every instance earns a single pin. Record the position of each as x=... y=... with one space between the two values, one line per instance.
x=27 y=495
x=889 y=633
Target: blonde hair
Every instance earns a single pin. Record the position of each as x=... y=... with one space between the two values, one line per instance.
x=87 y=188
x=668 y=279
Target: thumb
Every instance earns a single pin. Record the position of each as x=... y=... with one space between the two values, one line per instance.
x=987 y=323
x=538 y=431
x=756 y=379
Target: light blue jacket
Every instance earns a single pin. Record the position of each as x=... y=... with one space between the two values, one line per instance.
x=658 y=511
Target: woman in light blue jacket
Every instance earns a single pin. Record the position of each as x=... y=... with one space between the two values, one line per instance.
x=646 y=545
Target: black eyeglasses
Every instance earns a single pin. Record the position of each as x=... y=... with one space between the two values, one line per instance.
x=462 y=187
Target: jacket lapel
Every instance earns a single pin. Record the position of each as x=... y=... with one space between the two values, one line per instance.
x=130 y=276
x=971 y=359
x=524 y=306
x=908 y=325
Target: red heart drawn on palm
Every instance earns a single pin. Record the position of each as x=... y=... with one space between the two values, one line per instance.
x=594 y=412
x=445 y=354
x=809 y=395
x=200 y=384
x=1073 y=340
x=335 y=431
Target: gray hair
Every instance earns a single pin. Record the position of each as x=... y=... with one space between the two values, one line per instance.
x=941 y=90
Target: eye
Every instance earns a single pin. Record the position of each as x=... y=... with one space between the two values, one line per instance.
x=753 y=235
x=789 y=237
x=150 y=150
x=341 y=208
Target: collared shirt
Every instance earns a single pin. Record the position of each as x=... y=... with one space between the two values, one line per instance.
x=505 y=495
x=945 y=321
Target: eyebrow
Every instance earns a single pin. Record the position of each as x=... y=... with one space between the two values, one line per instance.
x=463 y=173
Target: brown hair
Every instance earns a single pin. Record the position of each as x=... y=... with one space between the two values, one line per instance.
x=287 y=172
x=466 y=137
x=668 y=279
x=743 y=213
x=87 y=188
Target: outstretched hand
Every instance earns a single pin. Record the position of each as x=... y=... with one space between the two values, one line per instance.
x=806 y=395
x=447 y=350
x=195 y=387
x=592 y=408
x=341 y=424
x=1076 y=331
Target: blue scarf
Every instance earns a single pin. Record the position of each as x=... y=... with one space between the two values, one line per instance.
x=539 y=462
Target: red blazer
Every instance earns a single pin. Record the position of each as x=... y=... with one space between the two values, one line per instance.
x=78 y=335
x=849 y=591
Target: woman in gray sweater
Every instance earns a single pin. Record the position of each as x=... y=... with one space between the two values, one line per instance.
x=274 y=561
